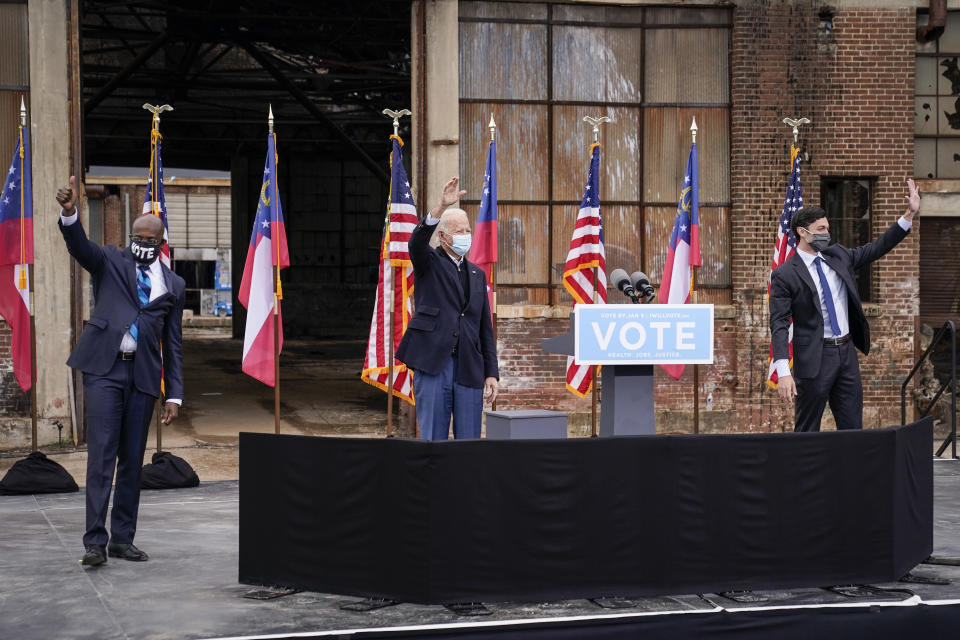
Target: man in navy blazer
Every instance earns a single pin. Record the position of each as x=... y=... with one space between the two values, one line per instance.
x=816 y=288
x=449 y=341
x=133 y=334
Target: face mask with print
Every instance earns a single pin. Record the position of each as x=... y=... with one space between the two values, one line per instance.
x=144 y=253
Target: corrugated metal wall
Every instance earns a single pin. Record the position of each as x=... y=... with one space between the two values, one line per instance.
x=14 y=74
x=198 y=220
x=539 y=68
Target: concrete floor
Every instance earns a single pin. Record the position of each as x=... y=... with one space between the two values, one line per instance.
x=321 y=394
x=189 y=587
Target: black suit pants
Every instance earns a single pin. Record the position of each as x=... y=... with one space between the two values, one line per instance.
x=838 y=383
x=118 y=419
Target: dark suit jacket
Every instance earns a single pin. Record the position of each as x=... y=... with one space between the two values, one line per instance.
x=443 y=319
x=793 y=294
x=114 y=275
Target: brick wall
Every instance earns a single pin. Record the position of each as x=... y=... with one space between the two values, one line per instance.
x=13 y=401
x=856 y=84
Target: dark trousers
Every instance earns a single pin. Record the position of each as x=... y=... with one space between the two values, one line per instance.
x=118 y=418
x=441 y=395
x=838 y=383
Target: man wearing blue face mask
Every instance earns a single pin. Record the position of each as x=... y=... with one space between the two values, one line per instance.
x=139 y=304
x=816 y=288
x=449 y=341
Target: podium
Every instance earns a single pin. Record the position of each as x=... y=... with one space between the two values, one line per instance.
x=628 y=340
x=626 y=396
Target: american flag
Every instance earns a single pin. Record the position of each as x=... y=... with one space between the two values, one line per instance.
x=585 y=271
x=786 y=246
x=395 y=283
x=153 y=201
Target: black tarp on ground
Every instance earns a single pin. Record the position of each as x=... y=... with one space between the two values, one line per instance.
x=554 y=519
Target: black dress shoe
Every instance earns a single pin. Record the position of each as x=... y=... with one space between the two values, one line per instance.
x=94 y=556
x=127 y=552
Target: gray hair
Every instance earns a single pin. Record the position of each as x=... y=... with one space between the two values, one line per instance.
x=445 y=218
x=449 y=214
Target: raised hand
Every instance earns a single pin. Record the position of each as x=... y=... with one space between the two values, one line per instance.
x=913 y=199
x=450 y=194
x=68 y=196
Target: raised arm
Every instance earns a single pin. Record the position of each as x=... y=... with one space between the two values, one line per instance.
x=88 y=254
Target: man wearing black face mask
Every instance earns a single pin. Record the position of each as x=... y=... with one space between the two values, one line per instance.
x=816 y=288
x=139 y=305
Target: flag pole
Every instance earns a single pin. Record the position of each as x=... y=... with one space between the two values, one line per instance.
x=595 y=122
x=693 y=299
x=493 y=269
x=154 y=176
x=386 y=231
x=277 y=290
x=29 y=270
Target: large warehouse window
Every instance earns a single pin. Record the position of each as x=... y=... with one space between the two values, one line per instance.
x=539 y=68
x=937 y=103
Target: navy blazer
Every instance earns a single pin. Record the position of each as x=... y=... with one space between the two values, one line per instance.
x=443 y=320
x=793 y=294
x=114 y=276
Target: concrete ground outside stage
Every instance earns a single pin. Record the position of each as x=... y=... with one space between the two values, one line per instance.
x=320 y=392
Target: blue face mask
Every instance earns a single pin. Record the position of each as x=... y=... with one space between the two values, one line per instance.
x=461 y=244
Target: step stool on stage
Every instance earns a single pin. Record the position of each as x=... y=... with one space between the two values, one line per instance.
x=526 y=424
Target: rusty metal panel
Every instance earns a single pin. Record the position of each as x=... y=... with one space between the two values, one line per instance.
x=522 y=143
x=608 y=14
x=622 y=238
x=514 y=10
x=522 y=232
x=619 y=155
x=14 y=60
x=687 y=15
x=658 y=224
x=596 y=64
x=715 y=246
x=687 y=65
x=505 y=61
x=666 y=146
x=714 y=243
x=9 y=121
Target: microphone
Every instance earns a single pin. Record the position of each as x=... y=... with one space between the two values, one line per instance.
x=622 y=281
x=641 y=284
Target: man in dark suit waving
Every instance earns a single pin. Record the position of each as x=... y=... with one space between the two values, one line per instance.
x=816 y=288
x=139 y=305
x=449 y=341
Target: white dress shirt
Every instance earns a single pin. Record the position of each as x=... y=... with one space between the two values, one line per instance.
x=158 y=287
x=839 y=291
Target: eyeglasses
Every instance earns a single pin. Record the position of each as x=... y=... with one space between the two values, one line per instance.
x=150 y=242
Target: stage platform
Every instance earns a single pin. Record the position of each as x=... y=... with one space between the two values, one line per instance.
x=189 y=588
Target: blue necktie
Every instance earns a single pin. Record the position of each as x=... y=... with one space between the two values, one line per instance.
x=828 y=296
x=143 y=293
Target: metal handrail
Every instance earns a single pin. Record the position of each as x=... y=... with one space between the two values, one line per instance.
x=948 y=327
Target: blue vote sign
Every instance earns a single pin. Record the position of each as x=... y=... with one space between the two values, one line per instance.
x=643 y=333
